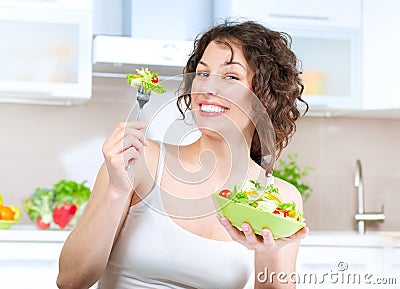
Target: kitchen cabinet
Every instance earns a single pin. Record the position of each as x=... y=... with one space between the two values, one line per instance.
x=172 y=19
x=29 y=257
x=328 y=259
x=326 y=37
x=381 y=59
x=308 y=13
x=338 y=258
x=396 y=262
x=348 y=49
x=46 y=51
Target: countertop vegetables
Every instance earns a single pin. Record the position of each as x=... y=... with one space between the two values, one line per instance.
x=8 y=214
x=146 y=79
x=39 y=207
x=70 y=196
x=58 y=205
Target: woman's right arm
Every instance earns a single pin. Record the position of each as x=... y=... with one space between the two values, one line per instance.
x=86 y=251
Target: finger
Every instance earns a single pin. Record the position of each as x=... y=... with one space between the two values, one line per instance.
x=131 y=141
x=136 y=124
x=121 y=146
x=118 y=156
x=139 y=134
x=120 y=129
x=235 y=234
x=301 y=234
x=131 y=156
x=123 y=125
x=251 y=237
x=268 y=238
x=123 y=140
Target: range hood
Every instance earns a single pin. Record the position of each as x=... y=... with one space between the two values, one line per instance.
x=118 y=55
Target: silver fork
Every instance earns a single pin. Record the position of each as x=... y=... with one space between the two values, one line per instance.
x=142 y=99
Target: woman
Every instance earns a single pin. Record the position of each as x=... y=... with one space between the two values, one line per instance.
x=154 y=226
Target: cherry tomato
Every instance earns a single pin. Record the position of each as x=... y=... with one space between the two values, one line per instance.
x=154 y=79
x=41 y=225
x=225 y=193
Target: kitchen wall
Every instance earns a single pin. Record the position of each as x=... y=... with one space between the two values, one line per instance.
x=42 y=144
x=332 y=146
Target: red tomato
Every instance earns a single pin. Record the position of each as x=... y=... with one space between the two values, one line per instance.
x=225 y=193
x=41 y=225
x=154 y=79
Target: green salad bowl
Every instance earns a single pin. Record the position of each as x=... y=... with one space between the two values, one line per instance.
x=238 y=214
x=5 y=225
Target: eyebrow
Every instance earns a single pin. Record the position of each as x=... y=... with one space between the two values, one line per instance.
x=226 y=64
x=235 y=62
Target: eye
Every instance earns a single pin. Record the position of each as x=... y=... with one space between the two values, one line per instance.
x=231 y=77
x=202 y=74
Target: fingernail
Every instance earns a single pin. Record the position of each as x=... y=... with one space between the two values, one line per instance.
x=265 y=232
x=224 y=221
x=245 y=228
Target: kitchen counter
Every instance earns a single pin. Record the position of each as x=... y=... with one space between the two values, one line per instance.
x=351 y=239
x=29 y=233
x=24 y=248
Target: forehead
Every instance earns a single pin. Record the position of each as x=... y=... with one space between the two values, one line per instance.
x=224 y=51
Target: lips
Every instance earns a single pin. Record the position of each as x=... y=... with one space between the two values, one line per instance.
x=210 y=108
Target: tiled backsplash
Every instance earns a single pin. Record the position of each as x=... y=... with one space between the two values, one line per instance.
x=332 y=146
x=42 y=144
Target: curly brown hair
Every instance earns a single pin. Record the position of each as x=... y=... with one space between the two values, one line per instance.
x=276 y=80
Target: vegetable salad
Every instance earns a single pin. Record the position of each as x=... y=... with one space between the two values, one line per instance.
x=266 y=199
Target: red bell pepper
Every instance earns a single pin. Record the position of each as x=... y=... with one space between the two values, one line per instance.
x=63 y=213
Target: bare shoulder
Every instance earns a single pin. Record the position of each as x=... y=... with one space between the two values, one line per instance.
x=288 y=192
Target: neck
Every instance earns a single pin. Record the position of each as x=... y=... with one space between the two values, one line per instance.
x=225 y=156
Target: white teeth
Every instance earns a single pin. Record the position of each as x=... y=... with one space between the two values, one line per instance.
x=212 y=108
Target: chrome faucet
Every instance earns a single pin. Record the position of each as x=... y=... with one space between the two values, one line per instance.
x=361 y=217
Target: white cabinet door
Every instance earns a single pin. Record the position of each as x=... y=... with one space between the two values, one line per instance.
x=381 y=59
x=46 y=51
x=326 y=37
x=311 y=13
x=329 y=266
x=31 y=265
x=396 y=264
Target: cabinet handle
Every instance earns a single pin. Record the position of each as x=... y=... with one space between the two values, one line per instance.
x=304 y=17
x=17 y=93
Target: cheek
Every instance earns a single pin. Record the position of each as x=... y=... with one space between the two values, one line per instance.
x=241 y=99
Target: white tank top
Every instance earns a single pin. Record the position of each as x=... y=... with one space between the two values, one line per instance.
x=152 y=251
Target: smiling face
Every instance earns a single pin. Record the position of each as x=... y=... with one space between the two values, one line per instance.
x=221 y=90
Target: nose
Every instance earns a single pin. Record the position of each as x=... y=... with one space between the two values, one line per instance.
x=209 y=86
